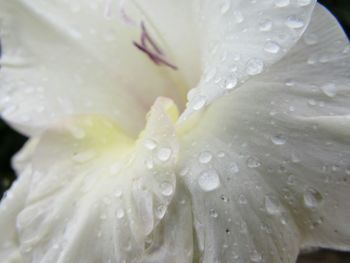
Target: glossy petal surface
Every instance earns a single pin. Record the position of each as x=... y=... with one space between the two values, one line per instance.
x=278 y=172
x=62 y=58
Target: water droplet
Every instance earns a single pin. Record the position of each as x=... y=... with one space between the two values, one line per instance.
x=27 y=249
x=77 y=132
x=128 y=246
x=291 y=180
x=184 y=171
x=325 y=58
x=255 y=256
x=118 y=193
x=312 y=198
x=213 y=213
x=290 y=83
x=120 y=213
x=164 y=154
x=265 y=25
x=294 y=22
x=225 y=7
x=9 y=109
x=84 y=156
x=150 y=144
x=56 y=246
x=272 y=205
x=304 y=2
x=272 y=47
x=205 y=157
x=191 y=93
x=329 y=89
x=255 y=66
x=310 y=39
x=231 y=84
x=221 y=154
x=295 y=158
x=199 y=102
x=166 y=188
x=75 y=34
x=253 y=162
x=235 y=57
x=238 y=17
x=242 y=199
x=284 y=221
x=279 y=139
x=243 y=228
x=210 y=75
x=335 y=168
x=317 y=222
x=234 y=168
x=282 y=3
x=347 y=170
x=224 y=198
x=149 y=164
x=312 y=102
x=209 y=180
x=160 y=211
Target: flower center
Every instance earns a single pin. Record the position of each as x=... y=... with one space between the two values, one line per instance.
x=152 y=44
x=174 y=57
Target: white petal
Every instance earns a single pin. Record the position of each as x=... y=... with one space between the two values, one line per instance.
x=23 y=158
x=278 y=179
x=80 y=50
x=97 y=196
x=61 y=58
x=14 y=201
x=11 y=205
x=176 y=26
x=241 y=39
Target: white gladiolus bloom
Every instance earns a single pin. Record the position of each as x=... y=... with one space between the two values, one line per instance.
x=175 y=131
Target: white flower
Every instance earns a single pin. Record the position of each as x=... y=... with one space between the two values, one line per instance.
x=255 y=168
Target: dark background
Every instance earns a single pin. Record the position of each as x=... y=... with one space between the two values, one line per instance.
x=11 y=142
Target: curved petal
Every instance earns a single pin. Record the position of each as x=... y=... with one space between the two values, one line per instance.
x=241 y=39
x=82 y=50
x=101 y=197
x=23 y=158
x=268 y=165
x=14 y=201
x=176 y=28
x=61 y=58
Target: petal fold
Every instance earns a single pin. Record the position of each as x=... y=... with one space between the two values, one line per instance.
x=242 y=39
x=268 y=165
x=101 y=196
x=62 y=58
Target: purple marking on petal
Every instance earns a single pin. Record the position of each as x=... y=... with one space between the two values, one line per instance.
x=151 y=49
x=124 y=16
x=154 y=57
x=147 y=36
x=146 y=51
